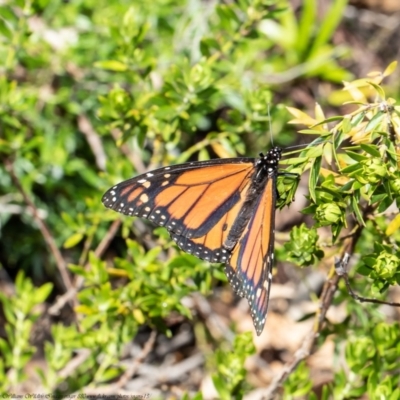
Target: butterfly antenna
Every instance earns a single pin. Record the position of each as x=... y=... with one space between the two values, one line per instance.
x=296 y=146
x=314 y=143
x=270 y=126
x=301 y=146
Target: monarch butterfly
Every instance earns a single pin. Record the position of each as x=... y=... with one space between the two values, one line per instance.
x=219 y=210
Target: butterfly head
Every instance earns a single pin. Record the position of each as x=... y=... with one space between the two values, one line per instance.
x=270 y=161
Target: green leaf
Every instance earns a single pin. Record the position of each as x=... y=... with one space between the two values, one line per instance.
x=325 y=395
x=351 y=169
x=5 y=30
x=112 y=65
x=42 y=293
x=329 y=25
x=73 y=240
x=306 y=24
x=310 y=131
x=370 y=149
x=375 y=121
x=379 y=89
x=314 y=174
x=393 y=226
x=390 y=68
x=221 y=388
x=355 y=156
x=355 y=204
x=207 y=45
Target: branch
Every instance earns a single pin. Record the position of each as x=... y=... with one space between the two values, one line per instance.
x=325 y=302
x=129 y=154
x=44 y=229
x=341 y=270
x=71 y=293
x=115 y=388
x=128 y=374
x=85 y=126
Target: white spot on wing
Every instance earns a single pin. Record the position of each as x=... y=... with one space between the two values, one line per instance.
x=144 y=198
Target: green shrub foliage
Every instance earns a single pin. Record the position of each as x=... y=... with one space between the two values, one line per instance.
x=92 y=93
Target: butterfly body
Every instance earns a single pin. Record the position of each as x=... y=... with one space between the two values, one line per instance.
x=218 y=210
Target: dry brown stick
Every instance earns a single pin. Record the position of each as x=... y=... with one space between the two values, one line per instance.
x=215 y=325
x=99 y=251
x=128 y=374
x=341 y=270
x=134 y=159
x=94 y=141
x=105 y=242
x=305 y=350
x=72 y=366
x=325 y=302
x=152 y=376
x=44 y=229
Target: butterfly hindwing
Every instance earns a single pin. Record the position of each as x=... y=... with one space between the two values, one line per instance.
x=234 y=280
x=252 y=258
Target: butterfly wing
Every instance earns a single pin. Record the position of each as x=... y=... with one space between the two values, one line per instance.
x=252 y=258
x=220 y=211
x=197 y=202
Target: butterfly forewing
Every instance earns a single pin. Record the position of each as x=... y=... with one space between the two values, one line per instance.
x=196 y=203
